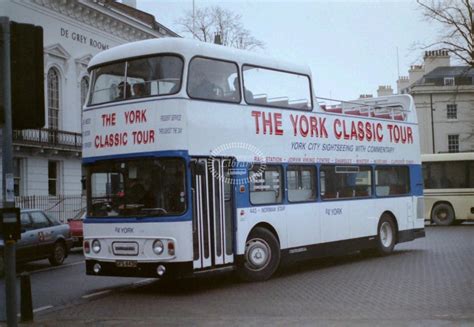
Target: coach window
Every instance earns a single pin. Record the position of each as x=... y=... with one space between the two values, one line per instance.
x=136 y=78
x=265 y=185
x=212 y=79
x=301 y=181
x=343 y=182
x=158 y=75
x=392 y=180
x=105 y=81
x=273 y=88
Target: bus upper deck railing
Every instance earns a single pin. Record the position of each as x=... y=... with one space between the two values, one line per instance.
x=379 y=109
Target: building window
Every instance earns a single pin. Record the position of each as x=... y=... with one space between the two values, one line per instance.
x=17 y=177
x=452 y=110
x=453 y=143
x=53 y=177
x=449 y=81
x=53 y=98
x=84 y=89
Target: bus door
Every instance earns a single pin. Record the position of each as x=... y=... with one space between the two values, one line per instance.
x=212 y=212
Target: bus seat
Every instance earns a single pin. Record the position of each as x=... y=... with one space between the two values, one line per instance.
x=259 y=99
x=399 y=117
x=335 y=110
x=347 y=193
x=384 y=116
x=280 y=103
x=362 y=191
x=353 y=112
x=329 y=195
x=397 y=189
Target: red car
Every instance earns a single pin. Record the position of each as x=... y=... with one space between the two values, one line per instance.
x=75 y=225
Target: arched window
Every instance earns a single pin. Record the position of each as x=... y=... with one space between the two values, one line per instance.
x=84 y=89
x=53 y=98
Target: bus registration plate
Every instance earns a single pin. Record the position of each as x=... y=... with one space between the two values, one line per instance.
x=126 y=263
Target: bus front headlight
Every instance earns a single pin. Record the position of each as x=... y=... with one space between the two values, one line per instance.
x=158 y=247
x=96 y=246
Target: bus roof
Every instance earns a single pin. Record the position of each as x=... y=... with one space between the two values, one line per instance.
x=458 y=156
x=190 y=48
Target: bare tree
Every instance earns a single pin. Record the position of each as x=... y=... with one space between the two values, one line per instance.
x=456 y=18
x=211 y=21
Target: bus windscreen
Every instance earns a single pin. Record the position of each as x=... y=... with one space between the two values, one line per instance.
x=137 y=188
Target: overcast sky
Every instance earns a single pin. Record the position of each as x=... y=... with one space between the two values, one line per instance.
x=350 y=46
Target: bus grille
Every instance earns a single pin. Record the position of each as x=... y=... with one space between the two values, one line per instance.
x=125 y=248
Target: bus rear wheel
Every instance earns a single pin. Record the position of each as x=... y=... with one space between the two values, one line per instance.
x=261 y=257
x=442 y=214
x=386 y=235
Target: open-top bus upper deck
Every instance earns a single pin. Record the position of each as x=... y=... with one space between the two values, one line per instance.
x=265 y=105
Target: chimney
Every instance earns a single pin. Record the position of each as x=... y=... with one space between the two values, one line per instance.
x=402 y=83
x=384 y=90
x=415 y=73
x=434 y=59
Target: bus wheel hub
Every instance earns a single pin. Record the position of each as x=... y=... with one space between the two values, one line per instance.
x=257 y=254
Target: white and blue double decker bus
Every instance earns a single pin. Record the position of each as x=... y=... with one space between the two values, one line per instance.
x=201 y=157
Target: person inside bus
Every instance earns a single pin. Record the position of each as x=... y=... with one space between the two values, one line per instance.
x=204 y=88
x=139 y=90
x=135 y=192
x=236 y=96
x=124 y=89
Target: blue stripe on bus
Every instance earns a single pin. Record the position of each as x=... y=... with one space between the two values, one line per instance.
x=115 y=220
x=162 y=154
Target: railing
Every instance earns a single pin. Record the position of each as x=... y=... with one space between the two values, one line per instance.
x=62 y=207
x=48 y=138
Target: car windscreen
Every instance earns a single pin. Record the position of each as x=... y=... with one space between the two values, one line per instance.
x=137 y=188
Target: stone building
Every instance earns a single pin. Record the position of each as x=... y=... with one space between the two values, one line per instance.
x=444 y=99
x=48 y=161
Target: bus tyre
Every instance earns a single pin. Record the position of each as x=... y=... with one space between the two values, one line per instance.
x=442 y=214
x=262 y=256
x=386 y=235
x=58 y=255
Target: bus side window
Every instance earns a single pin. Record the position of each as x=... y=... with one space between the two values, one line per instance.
x=210 y=79
x=301 y=181
x=392 y=180
x=265 y=185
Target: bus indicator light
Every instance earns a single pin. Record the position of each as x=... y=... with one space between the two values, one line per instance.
x=171 y=248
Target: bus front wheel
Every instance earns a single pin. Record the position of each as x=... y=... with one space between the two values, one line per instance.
x=442 y=214
x=386 y=235
x=262 y=256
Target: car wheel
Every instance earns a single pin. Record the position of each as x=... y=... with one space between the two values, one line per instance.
x=262 y=256
x=386 y=235
x=442 y=214
x=58 y=255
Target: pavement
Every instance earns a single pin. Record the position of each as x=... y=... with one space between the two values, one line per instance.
x=427 y=282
